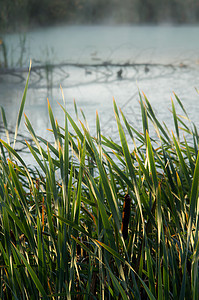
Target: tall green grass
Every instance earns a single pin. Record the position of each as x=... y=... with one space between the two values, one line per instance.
x=60 y=222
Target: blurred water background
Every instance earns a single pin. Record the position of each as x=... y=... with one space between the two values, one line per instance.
x=87 y=61
x=96 y=62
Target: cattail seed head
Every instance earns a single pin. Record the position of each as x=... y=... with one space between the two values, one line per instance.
x=126 y=216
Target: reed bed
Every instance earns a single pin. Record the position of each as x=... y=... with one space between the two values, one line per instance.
x=96 y=219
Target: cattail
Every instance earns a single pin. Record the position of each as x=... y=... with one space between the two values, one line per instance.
x=126 y=216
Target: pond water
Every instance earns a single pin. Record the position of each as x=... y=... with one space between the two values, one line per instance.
x=155 y=59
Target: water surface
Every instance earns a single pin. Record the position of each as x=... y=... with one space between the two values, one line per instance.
x=166 y=59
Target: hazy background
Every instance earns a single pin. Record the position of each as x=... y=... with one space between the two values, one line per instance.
x=97 y=50
x=17 y=14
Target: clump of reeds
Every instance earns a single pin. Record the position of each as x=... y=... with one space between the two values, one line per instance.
x=65 y=232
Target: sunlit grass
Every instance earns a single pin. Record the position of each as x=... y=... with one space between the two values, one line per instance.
x=64 y=231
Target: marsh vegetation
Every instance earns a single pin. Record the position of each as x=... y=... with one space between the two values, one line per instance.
x=95 y=218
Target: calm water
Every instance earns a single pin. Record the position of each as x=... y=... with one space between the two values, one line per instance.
x=175 y=49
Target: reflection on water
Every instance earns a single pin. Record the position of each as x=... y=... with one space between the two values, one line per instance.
x=111 y=62
x=88 y=44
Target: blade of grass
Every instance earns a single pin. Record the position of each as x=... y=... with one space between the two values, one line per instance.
x=32 y=273
x=21 y=106
x=175 y=120
x=5 y=125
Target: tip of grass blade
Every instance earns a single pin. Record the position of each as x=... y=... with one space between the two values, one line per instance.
x=62 y=93
x=30 y=66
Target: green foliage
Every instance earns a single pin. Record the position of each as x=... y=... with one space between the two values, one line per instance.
x=60 y=222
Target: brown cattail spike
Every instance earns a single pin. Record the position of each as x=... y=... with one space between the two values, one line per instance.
x=126 y=216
